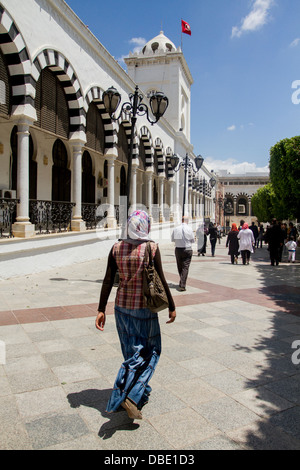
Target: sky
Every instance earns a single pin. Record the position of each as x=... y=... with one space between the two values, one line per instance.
x=244 y=57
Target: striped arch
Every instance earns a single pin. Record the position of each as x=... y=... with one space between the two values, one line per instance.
x=19 y=66
x=159 y=148
x=95 y=95
x=62 y=69
x=169 y=153
x=146 y=137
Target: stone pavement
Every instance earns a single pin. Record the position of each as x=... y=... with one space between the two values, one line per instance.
x=228 y=377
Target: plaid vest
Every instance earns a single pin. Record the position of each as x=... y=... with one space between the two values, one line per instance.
x=130 y=262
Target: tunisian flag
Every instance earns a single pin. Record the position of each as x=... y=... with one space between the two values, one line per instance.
x=185 y=28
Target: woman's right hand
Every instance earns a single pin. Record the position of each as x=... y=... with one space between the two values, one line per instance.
x=172 y=316
x=100 y=321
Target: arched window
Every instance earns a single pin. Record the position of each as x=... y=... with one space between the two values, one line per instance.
x=123 y=187
x=88 y=179
x=94 y=129
x=4 y=87
x=51 y=104
x=122 y=145
x=142 y=156
x=61 y=175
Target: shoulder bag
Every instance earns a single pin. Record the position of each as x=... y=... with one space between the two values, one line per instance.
x=154 y=292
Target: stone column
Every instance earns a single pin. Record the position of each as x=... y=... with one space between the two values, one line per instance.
x=149 y=175
x=22 y=228
x=78 y=225
x=111 y=220
x=161 y=198
x=133 y=186
x=172 y=200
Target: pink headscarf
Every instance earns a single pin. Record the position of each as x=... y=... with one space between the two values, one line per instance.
x=245 y=226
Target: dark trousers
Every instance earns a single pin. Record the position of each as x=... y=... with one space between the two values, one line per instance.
x=213 y=242
x=245 y=256
x=183 y=259
x=274 y=254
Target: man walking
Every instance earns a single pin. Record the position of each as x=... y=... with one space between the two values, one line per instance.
x=274 y=238
x=183 y=237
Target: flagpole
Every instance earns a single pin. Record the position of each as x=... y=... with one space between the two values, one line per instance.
x=181 y=34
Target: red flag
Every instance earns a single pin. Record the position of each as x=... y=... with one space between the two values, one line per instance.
x=185 y=28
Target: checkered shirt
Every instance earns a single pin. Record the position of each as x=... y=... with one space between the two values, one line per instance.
x=130 y=260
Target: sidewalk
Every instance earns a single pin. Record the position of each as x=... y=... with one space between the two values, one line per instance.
x=227 y=379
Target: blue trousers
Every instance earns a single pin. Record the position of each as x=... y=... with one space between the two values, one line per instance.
x=140 y=339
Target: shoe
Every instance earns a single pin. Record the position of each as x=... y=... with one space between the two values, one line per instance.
x=132 y=410
x=181 y=288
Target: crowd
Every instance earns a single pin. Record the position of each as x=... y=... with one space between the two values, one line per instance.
x=137 y=322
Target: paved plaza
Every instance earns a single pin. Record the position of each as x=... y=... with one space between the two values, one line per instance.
x=228 y=377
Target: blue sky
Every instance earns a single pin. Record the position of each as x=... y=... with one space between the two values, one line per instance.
x=244 y=56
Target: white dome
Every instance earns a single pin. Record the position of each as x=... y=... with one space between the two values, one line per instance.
x=158 y=45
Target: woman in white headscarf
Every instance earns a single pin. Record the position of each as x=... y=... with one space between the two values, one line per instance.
x=137 y=326
x=201 y=239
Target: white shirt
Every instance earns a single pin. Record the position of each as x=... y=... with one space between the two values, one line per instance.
x=246 y=240
x=183 y=236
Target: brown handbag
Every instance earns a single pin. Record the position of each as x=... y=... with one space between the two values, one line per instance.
x=154 y=292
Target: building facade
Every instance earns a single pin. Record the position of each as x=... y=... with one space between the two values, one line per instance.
x=233 y=197
x=63 y=160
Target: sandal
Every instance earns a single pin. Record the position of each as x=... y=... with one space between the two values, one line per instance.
x=131 y=409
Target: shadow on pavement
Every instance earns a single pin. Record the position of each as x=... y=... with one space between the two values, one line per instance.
x=277 y=377
x=98 y=399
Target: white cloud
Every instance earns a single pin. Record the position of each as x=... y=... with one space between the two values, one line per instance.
x=234 y=167
x=138 y=44
x=231 y=128
x=256 y=19
x=295 y=42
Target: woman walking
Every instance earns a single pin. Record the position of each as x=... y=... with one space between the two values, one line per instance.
x=233 y=243
x=247 y=242
x=201 y=239
x=213 y=235
x=137 y=326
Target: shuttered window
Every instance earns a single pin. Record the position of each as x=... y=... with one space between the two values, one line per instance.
x=4 y=87
x=122 y=145
x=94 y=129
x=51 y=105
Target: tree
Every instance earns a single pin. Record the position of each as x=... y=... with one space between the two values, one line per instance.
x=285 y=177
x=262 y=203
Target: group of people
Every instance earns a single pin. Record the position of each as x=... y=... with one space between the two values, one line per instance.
x=138 y=327
x=277 y=236
x=240 y=241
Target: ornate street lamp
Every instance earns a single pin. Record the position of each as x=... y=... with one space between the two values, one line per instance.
x=158 y=104
x=187 y=164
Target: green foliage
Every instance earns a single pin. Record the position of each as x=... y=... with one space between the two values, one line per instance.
x=285 y=178
x=263 y=203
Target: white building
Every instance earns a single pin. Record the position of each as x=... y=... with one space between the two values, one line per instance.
x=61 y=155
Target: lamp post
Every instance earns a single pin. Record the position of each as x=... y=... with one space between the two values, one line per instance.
x=186 y=164
x=158 y=105
x=203 y=187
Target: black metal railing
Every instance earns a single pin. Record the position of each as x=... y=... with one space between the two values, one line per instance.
x=51 y=216
x=8 y=209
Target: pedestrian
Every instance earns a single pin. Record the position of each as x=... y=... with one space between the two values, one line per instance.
x=201 y=239
x=274 y=238
x=291 y=246
x=233 y=243
x=292 y=231
x=183 y=237
x=254 y=229
x=260 y=237
x=246 y=238
x=213 y=236
x=138 y=328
